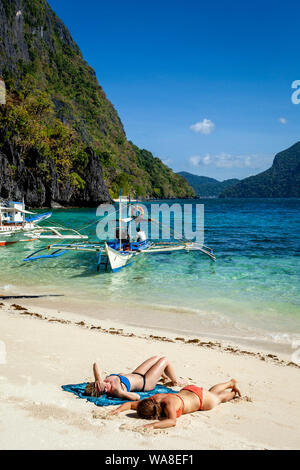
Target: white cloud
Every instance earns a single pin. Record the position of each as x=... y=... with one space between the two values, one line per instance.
x=195 y=160
x=282 y=120
x=224 y=160
x=204 y=127
x=248 y=161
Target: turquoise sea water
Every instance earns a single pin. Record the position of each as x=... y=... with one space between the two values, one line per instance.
x=253 y=285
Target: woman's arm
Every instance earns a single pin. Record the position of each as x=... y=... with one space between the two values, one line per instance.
x=125 y=407
x=98 y=381
x=130 y=396
x=164 y=424
x=120 y=393
x=97 y=374
x=169 y=421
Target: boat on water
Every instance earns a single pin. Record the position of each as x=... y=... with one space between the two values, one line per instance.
x=117 y=259
x=16 y=221
x=121 y=252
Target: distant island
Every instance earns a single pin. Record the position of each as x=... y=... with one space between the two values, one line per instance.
x=207 y=187
x=282 y=180
x=61 y=139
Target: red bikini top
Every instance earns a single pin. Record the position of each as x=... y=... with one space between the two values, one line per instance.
x=181 y=409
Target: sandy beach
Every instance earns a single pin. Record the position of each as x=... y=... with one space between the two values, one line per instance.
x=149 y=228
x=45 y=349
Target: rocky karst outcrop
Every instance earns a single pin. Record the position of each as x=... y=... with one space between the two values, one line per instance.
x=61 y=140
x=42 y=188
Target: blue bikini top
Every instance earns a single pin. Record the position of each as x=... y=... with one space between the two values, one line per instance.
x=123 y=380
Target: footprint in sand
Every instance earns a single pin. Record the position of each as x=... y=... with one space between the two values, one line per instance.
x=186 y=422
x=103 y=414
x=46 y=412
x=242 y=399
x=141 y=429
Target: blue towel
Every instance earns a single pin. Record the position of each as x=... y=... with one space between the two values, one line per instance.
x=106 y=400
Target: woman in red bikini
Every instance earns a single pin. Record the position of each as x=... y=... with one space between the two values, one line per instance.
x=168 y=407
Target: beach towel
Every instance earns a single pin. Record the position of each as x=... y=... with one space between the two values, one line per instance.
x=106 y=400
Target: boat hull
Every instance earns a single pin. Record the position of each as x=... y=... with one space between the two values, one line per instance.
x=118 y=259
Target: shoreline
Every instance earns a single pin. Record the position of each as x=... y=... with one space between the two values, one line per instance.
x=145 y=333
x=46 y=349
x=112 y=327
x=159 y=318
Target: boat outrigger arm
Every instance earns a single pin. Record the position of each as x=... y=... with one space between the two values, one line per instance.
x=57 y=233
x=117 y=260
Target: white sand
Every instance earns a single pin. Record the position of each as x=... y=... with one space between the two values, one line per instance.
x=41 y=356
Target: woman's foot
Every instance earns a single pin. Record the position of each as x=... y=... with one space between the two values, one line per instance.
x=180 y=383
x=235 y=387
x=165 y=379
x=177 y=383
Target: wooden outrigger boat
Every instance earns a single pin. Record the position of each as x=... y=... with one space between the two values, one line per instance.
x=118 y=259
x=118 y=254
x=14 y=222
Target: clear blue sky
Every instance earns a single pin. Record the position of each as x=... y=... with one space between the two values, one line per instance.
x=168 y=65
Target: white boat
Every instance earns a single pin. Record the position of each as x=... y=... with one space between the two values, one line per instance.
x=15 y=221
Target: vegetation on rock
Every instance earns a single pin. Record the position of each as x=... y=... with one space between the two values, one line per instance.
x=207 y=187
x=56 y=107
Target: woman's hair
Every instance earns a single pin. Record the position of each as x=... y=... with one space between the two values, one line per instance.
x=149 y=409
x=90 y=390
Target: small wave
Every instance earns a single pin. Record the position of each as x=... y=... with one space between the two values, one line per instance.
x=285 y=338
x=228 y=327
x=7 y=287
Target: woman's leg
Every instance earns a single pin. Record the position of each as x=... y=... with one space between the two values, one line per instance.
x=218 y=394
x=162 y=368
x=232 y=384
x=221 y=387
x=145 y=366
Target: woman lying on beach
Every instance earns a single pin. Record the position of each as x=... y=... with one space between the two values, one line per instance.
x=167 y=407
x=142 y=379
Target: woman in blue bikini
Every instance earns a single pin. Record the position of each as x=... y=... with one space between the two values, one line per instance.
x=142 y=379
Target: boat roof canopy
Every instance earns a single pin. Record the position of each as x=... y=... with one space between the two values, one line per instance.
x=14 y=209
